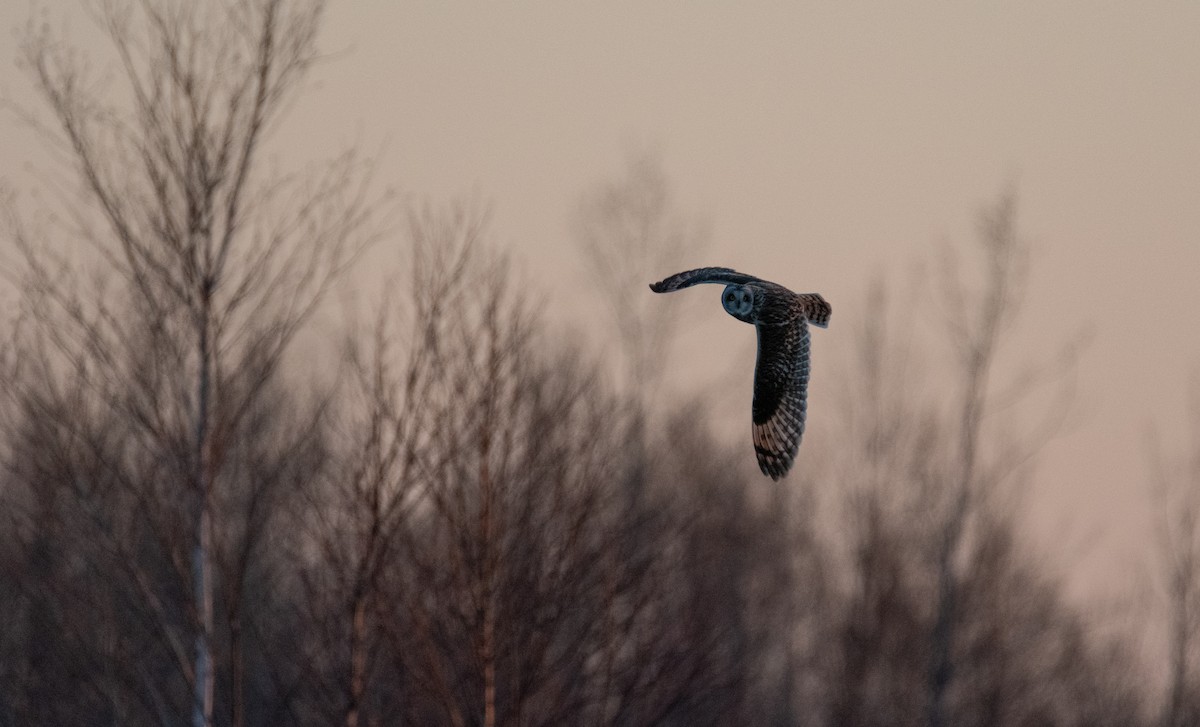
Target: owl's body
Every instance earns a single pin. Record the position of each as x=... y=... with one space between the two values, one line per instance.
x=781 y=318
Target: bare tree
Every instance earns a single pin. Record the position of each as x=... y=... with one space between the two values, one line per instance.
x=944 y=616
x=976 y=327
x=513 y=481
x=628 y=230
x=891 y=435
x=216 y=265
x=358 y=517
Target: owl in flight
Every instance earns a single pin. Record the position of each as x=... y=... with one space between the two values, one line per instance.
x=781 y=374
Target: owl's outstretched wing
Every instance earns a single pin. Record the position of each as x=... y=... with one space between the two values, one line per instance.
x=780 y=394
x=702 y=275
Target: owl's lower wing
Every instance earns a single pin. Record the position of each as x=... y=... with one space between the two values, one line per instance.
x=702 y=275
x=780 y=395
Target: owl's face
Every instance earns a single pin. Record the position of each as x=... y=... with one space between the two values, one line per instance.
x=738 y=301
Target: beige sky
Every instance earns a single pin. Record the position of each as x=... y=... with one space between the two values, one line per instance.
x=825 y=143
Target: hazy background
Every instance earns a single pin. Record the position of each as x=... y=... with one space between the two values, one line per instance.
x=824 y=144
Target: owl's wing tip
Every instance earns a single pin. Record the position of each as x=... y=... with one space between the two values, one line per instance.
x=819 y=311
x=658 y=287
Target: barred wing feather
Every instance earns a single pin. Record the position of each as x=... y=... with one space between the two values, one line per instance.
x=780 y=395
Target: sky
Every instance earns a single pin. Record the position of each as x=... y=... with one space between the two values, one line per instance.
x=824 y=144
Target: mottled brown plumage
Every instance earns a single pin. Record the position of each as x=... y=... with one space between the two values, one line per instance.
x=781 y=318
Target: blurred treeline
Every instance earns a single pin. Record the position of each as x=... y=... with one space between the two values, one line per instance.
x=468 y=524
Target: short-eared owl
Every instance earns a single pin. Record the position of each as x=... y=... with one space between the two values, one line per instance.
x=781 y=374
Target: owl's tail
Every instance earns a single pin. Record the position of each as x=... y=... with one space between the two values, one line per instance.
x=816 y=310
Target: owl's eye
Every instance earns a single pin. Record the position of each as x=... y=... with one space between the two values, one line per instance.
x=729 y=297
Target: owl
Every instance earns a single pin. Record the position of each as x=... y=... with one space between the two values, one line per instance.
x=781 y=318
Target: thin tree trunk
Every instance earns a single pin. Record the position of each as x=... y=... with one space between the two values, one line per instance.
x=941 y=662
x=487 y=642
x=941 y=658
x=941 y=669
x=358 y=659
x=202 y=582
x=238 y=666
x=488 y=645
x=489 y=668
x=203 y=686
x=1180 y=641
